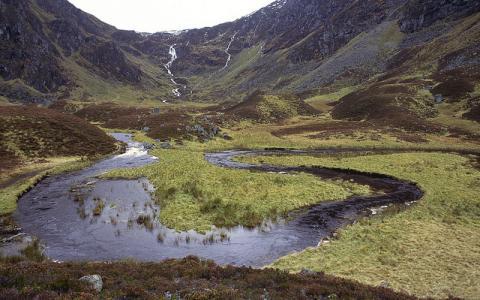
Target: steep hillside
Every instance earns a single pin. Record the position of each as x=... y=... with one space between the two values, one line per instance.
x=73 y=56
x=437 y=66
x=30 y=133
x=269 y=108
x=291 y=46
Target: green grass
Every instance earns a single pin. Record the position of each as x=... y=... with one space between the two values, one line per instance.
x=10 y=194
x=240 y=62
x=141 y=137
x=275 y=107
x=431 y=249
x=194 y=194
x=94 y=87
x=320 y=102
x=248 y=135
x=217 y=80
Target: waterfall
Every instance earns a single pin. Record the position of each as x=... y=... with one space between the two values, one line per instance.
x=173 y=57
x=229 y=58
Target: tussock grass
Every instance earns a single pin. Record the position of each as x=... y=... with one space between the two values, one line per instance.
x=195 y=195
x=99 y=206
x=10 y=194
x=430 y=249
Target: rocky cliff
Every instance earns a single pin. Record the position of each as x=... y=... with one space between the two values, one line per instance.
x=299 y=46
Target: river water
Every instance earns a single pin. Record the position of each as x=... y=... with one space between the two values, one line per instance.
x=59 y=211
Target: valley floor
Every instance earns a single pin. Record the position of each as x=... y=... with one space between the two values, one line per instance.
x=389 y=90
x=428 y=250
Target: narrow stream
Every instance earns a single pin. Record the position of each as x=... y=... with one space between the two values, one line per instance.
x=168 y=66
x=229 y=55
x=60 y=211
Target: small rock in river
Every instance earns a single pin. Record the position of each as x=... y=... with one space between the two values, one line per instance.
x=323 y=242
x=148 y=146
x=95 y=282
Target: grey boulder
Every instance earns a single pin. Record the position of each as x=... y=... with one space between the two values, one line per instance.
x=95 y=281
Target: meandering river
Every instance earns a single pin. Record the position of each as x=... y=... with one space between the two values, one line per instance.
x=59 y=211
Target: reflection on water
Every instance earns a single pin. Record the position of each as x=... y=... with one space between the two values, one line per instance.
x=78 y=217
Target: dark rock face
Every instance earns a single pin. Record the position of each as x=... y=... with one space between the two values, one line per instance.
x=67 y=35
x=419 y=14
x=109 y=61
x=126 y=36
x=334 y=32
x=290 y=45
x=62 y=9
x=25 y=52
x=36 y=38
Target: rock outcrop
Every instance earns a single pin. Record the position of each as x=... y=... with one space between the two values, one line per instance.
x=95 y=281
x=290 y=45
x=108 y=60
x=418 y=14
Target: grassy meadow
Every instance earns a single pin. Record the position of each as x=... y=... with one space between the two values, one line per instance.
x=16 y=183
x=430 y=249
x=194 y=194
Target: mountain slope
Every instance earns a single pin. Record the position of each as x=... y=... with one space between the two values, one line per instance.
x=294 y=46
x=29 y=133
x=73 y=54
